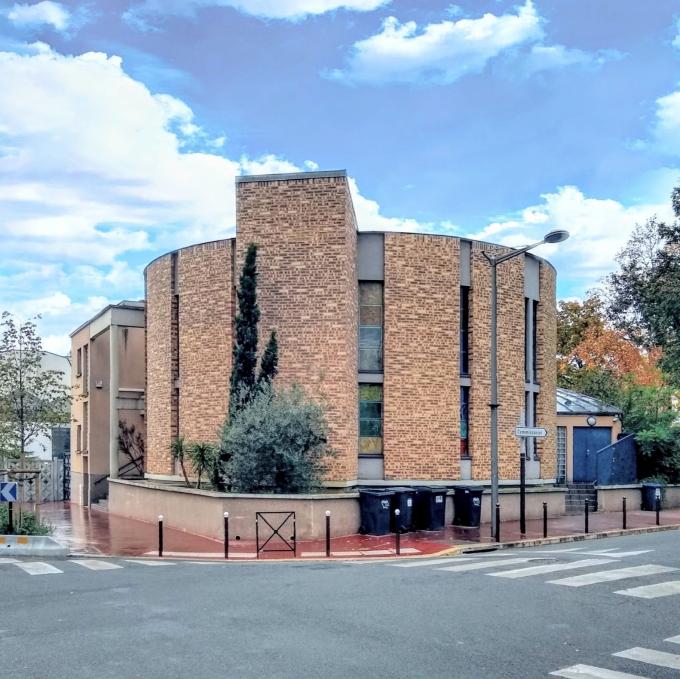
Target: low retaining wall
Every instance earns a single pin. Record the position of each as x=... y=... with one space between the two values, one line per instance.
x=32 y=545
x=201 y=511
x=609 y=498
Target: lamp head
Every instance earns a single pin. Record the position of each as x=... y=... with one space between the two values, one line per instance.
x=556 y=236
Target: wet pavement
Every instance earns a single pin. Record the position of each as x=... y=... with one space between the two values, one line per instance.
x=91 y=531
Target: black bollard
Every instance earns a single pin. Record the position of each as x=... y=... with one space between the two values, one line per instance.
x=397 y=535
x=10 y=518
x=226 y=535
x=586 y=505
x=625 y=516
x=545 y=519
x=498 y=522
x=160 y=535
x=328 y=533
x=658 y=510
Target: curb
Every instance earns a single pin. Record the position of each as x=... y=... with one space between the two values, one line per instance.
x=41 y=546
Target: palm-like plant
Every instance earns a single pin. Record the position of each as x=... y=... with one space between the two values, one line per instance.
x=178 y=448
x=202 y=456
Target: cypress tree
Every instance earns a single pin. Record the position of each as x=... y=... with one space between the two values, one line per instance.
x=245 y=348
x=270 y=360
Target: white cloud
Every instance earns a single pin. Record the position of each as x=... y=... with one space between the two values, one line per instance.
x=667 y=125
x=441 y=52
x=549 y=57
x=46 y=12
x=291 y=10
x=599 y=228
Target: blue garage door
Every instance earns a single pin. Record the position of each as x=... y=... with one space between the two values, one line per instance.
x=587 y=441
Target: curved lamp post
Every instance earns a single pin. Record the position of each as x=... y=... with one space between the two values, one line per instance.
x=557 y=236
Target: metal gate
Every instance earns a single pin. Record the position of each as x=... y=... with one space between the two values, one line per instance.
x=273 y=524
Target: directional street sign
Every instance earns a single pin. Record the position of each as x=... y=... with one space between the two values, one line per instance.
x=8 y=491
x=531 y=432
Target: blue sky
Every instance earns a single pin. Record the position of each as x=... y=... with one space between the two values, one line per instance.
x=124 y=122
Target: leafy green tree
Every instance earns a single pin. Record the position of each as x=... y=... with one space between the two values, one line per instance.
x=642 y=296
x=32 y=399
x=179 y=451
x=277 y=443
x=575 y=320
x=202 y=455
x=244 y=361
x=597 y=382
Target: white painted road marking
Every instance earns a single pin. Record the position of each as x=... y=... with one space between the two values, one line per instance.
x=653 y=591
x=484 y=564
x=651 y=657
x=430 y=562
x=150 y=563
x=549 y=568
x=674 y=640
x=37 y=568
x=618 y=555
x=96 y=565
x=590 y=672
x=6 y=559
x=611 y=576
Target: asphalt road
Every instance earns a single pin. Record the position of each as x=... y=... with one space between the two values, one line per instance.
x=329 y=620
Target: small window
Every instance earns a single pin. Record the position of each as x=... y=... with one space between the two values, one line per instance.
x=465 y=422
x=79 y=362
x=370 y=419
x=370 y=326
x=79 y=438
x=464 y=330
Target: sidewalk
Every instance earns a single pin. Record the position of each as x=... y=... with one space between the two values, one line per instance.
x=95 y=532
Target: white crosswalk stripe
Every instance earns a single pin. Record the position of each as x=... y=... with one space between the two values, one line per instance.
x=430 y=562
x=141 y=562
x=613 y=575
x=96 y=565
x=651 y=657
x=674 y=640
x=617 y=554
x=591 y=672
x=484 y=564
x=549 y=568
x=6 y=559
x=662 y=589
x=37 y=568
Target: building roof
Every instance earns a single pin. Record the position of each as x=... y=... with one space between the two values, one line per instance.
x=131 y=304
x=573 y=403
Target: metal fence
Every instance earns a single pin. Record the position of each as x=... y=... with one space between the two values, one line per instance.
x=617 y=463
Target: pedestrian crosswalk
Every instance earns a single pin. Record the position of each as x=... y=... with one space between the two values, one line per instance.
x=598 y=567
x=644 y=659
x=44 y=568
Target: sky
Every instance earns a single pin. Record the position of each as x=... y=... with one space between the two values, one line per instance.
x=124 y=122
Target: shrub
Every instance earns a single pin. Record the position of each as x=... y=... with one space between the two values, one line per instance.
x=277 y=443
x=203 y=457
x=30 y=523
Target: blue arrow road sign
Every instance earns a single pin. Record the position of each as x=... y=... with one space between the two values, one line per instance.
x=8 y=491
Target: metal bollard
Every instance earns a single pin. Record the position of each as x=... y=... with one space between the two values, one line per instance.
x=257 y=536
x=498 y=522
x=397 y=535
x=10 y=518
x=587 y=506
x=625 y=516
x=226 y=535
x=658 y=510
x=160 y=535
x=545 y=519
x=328 y=533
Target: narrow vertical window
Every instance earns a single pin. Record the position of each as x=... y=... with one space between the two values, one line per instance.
x=561 y=455
x=86 y=369
x=534 y=340
x=464 y=330
x=79 y=362
x=465 y=421
x=370 y=327
x=79 y=438
x=528 y=340
x=370 y=419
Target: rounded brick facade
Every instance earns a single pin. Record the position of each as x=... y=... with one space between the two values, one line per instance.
x=311 y=259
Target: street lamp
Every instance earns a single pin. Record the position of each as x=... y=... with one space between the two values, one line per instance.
x=557 y=236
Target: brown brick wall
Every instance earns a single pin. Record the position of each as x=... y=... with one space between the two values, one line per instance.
x=307 y=291
x=160 y=401
x=510 y=320
x=205 y=338
x=422 y=380
x=547 y=371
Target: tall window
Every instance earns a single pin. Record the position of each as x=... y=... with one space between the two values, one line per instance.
x=370 y=419
x=465 y=421
x=370 y=327
x=534 y=339
x=464 y=330
x=86 y=369
x=561 y=455
x=79 y=362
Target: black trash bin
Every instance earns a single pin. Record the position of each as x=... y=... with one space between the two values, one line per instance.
x=467 y=506
x=376 y=511
x=650 y=491
x=430 y=506
x=403 y=500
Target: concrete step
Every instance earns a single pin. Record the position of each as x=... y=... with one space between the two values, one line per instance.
x=101 y=505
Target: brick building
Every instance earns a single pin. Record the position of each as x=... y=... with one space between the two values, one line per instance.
x=391 y=330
